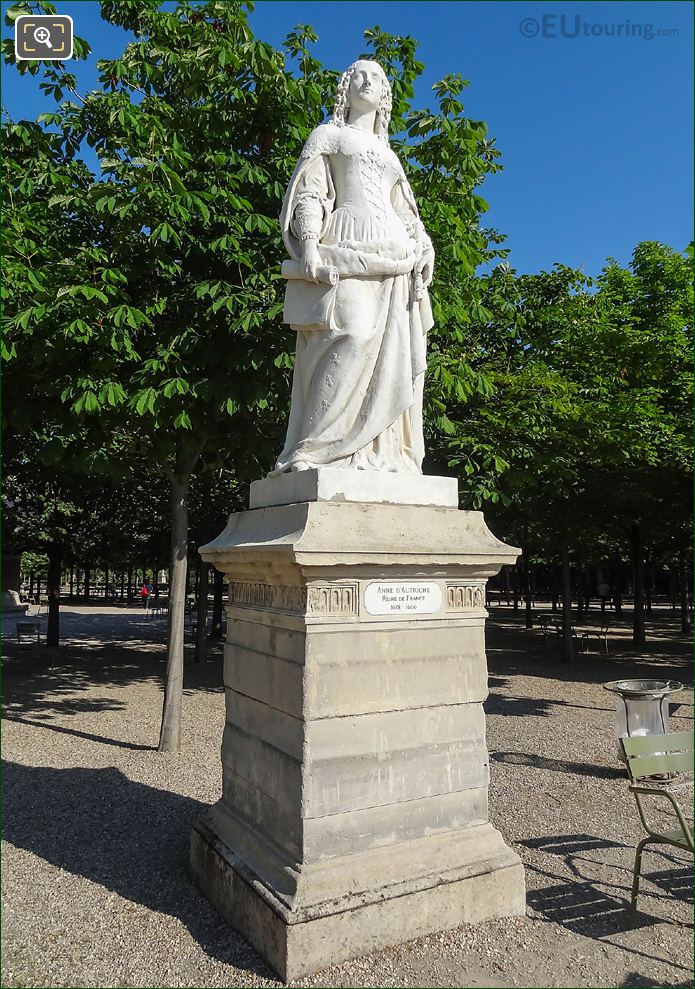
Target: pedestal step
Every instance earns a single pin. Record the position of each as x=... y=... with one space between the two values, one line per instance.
x=334 y=484
x=489 y=884
x=355 y=769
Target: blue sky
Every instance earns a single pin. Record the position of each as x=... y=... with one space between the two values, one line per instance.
x=595 y=130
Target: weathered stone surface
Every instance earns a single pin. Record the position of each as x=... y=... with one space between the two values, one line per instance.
x=374 y=827
x=288 y=540
x=354 y=671
x=336 y=484
x=11 y=603
x=355 y=769
x=297 y=945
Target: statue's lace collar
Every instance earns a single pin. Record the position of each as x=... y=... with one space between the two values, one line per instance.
x=329 y=139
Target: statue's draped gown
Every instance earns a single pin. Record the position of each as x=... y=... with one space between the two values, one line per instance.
x=357 y=387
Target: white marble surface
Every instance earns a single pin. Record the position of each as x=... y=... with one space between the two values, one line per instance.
x=344 y=484
x=361 y=262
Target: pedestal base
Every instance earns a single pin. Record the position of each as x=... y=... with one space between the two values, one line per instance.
x=348 y=484
x=354 y=764
x=11 y=604
x=487 y=882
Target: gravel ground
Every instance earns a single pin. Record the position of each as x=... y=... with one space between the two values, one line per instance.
x=96 y=891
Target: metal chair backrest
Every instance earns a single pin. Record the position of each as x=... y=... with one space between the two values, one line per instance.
x=659 y=755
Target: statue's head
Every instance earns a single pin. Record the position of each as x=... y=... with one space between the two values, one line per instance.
x=365 y=87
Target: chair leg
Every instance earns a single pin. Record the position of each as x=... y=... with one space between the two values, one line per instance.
x=635 y=879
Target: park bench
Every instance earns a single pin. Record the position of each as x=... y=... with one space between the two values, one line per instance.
x=600 y=633
x=551 y=627
x=28 y=628
x=156 y=607
x=548 y=625
x=653 y=762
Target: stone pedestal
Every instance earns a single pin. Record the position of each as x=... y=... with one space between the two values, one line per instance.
x=341 y=484
x=10 y=601
x=355 y=769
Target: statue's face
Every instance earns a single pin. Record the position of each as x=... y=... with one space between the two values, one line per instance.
x=365 y=86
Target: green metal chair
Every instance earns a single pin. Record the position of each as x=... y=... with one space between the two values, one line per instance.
x=661 y=756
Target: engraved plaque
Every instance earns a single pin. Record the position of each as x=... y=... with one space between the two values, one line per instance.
x=393 y=597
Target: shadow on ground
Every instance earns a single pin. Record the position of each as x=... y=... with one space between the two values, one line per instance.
x=559 y=765
x=677 y=883
x=130 y=838
x=636 y=981
x=582 y=905
x=513 y=649
x=35 y=690
x=584 y=909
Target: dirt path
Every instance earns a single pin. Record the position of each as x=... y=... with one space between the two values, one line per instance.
x=96 y=890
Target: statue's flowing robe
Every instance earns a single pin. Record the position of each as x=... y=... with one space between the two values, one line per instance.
x=357 y=386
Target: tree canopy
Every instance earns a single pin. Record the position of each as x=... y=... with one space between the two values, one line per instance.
x=142 y=329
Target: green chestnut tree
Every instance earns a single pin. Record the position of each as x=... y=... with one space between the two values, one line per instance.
x=582 y=442
x=151 y=298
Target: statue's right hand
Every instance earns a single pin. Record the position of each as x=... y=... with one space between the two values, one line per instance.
x=311 y=261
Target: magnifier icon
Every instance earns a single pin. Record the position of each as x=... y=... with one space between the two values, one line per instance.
x=43 y=36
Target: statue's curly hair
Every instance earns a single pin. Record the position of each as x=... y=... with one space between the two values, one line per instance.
x=341 y=107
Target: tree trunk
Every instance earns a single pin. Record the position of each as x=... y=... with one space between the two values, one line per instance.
x=201 y=645
x=218 y=588
x=87 y=581
x=648 y=585
x=170 y=733
x=106 y=583
x=638 y=635
x=72 y=583
x=553 y=591
x=155 y=583
x=617 y=588
x=528 y=604
x=567 y=643
x=31 y=585
x=130 y=585
x=686 y=619
x=122 y=586
x=580 y=589
x=54 y=570
x=515 y=587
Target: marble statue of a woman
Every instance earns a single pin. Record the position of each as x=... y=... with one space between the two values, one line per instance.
x=356 y=291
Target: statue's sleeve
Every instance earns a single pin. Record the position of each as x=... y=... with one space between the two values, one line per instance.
x=309 y=198
x=312 y=201
x=405 y=207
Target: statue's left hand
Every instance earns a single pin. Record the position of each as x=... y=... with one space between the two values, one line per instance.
x=311 y=260
x=425 y=268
